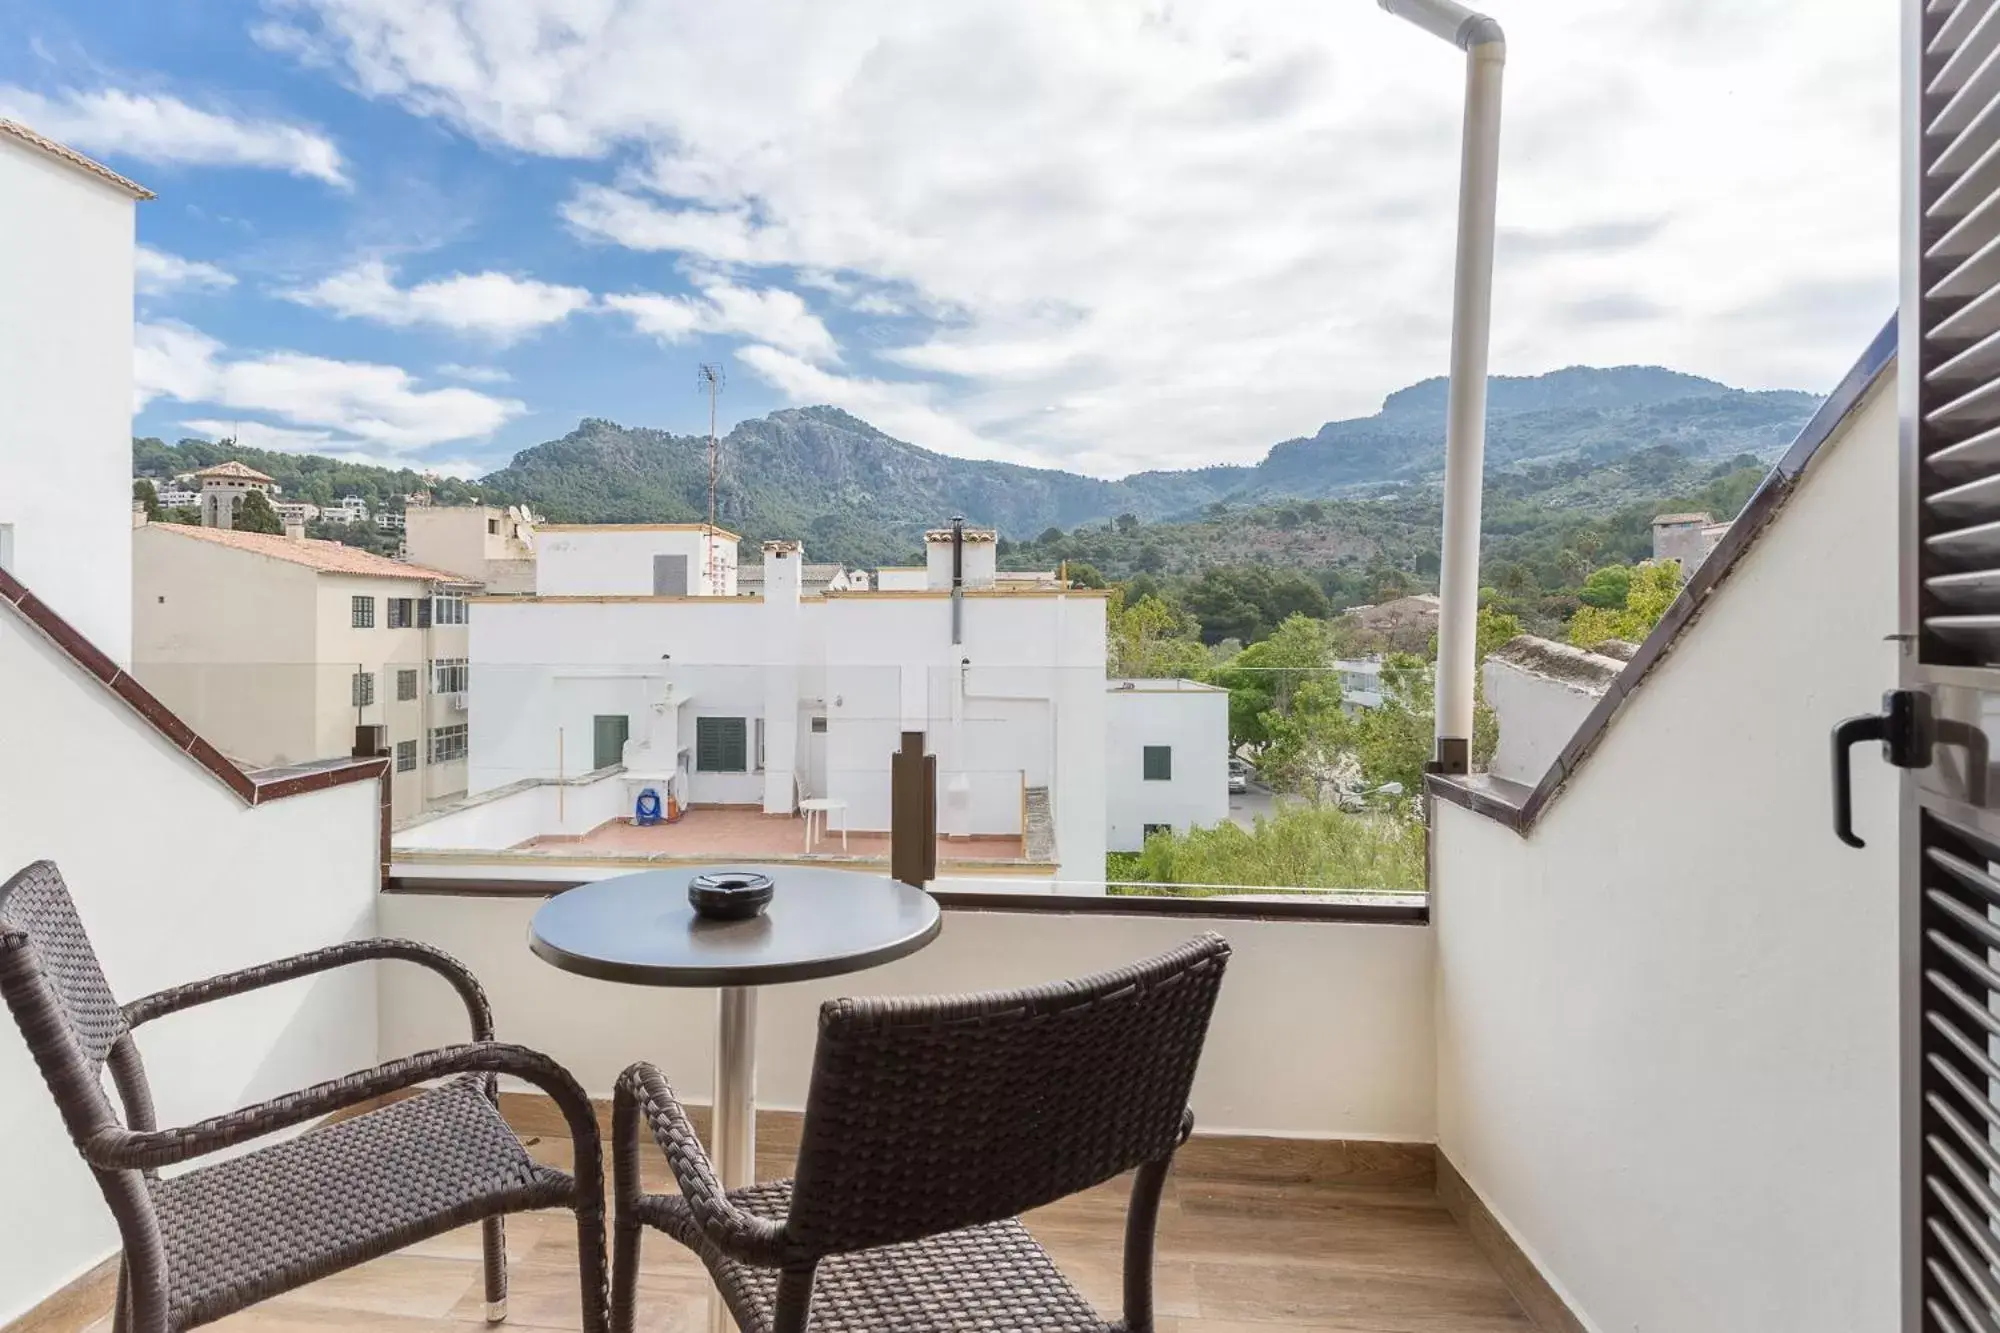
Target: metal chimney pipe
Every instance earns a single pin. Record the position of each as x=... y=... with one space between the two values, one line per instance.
x=1485 y=50
x=957 y=578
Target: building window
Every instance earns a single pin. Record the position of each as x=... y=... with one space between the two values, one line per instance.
x=364 y=613
x=363 y=688
x=448 y=675
x=447 y=743
x=406 y=684
x=721 y=745
x=401 y=614
x=1151 y=829
x=819 y=725
x=423 y=613
x=406 y=756
x=759 y=747
x=1159 y=762
x=448 y=609
x=609 y=732
x=493 y=527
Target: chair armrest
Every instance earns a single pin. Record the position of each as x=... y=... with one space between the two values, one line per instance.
x=176 y=998
x=742 y=1235
x=116 y=1148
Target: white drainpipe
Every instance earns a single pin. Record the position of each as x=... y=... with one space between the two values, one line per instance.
x=1471 y=329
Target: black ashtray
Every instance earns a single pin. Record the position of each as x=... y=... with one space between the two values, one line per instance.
x=730 y=895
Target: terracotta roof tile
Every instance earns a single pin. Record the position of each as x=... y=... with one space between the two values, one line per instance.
x=239 y=471
x=20 y=133
x=326 y=557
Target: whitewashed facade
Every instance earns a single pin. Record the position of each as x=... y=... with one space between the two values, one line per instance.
x=1166 y=759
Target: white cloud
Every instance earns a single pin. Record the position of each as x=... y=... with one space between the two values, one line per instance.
x=492 y=305
x=158 y=273
x=773 y=315
x=1129 y=234
x=361 y=405
x=156 y=128
x=475 y=374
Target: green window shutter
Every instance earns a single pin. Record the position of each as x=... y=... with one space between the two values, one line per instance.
x=1159 y=763
x=721 y=744
x=611 y=731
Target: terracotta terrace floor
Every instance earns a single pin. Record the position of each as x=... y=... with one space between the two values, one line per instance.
x=1247 y=1245
x=746 y=835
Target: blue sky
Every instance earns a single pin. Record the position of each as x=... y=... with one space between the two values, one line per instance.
x=1111 y=237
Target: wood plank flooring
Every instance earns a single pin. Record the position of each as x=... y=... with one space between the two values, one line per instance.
x=1246 y=1246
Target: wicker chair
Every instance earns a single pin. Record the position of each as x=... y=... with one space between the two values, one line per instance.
x=930 y=1125
x=210 y=1241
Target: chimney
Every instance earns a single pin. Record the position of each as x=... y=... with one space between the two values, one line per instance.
x=784 y=570
x=295 y=531
x=960 y=554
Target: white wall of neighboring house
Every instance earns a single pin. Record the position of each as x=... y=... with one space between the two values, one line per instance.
x=66 y=244
x=259 y=655
x=227 y=640
x=618 y=559
x=1019 y=703
x=1667 y=1017
x=1192 y=721
x=90 y=786
x=1366 y=1079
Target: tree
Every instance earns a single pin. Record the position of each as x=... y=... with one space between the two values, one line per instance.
x=1606 y=588
x=148 y=498
x=1082 y=575
x=255 y=514
x=1151 y=639
x=1263 y=678
x=1311 y=751
x=1651 y=590
x=1127 y=524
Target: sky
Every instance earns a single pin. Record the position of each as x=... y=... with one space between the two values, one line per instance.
x=1105 y=237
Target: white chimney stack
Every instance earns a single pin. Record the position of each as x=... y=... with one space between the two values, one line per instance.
x=784 y=570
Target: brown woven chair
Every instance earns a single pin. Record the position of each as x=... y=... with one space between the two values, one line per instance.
x=930 y=1126
x=210 y=1241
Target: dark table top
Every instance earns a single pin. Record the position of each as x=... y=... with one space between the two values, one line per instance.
x=820 y=923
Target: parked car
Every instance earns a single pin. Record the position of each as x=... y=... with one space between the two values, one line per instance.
x=1239 y=777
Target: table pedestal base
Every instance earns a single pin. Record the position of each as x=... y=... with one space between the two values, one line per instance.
x=732 y=1131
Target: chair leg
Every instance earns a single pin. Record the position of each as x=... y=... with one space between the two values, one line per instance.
x=625 y=1230
x=1141 y=1219
x=494 y=1240
x=121 y=1313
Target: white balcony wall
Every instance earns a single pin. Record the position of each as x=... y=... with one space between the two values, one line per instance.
x=176 y=879
x=66 y=407
x=1323 y=1029
x=1667 y=1053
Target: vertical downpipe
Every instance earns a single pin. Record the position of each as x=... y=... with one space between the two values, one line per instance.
x=1465 y=422
x=957 y=579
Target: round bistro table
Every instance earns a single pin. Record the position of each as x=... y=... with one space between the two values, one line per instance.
x=640 y=930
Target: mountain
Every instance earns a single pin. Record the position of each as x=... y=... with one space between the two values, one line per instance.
x=854 y=493
x=857 y=495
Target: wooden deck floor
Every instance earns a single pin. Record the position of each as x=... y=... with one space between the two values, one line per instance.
x=1246 y=1246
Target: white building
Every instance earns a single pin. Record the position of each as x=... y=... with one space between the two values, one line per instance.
x=1360 y=681
x=66 y=408
x=353 y=509
x=635 y=560
x=389 y=520
x=176 y=496
x=491 y=546
x=1166 y=759
x=295 y=511
x=759 y=701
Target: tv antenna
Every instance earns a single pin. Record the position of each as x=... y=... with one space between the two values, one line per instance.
x=710 y=379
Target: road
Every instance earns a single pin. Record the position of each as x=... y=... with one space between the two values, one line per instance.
x=1245 y=808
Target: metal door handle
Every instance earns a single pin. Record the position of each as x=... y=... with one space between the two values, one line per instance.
x=1847 y=735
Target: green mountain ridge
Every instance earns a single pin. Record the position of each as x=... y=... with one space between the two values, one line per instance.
x=857 y=495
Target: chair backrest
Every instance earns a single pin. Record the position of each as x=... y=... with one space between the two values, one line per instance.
x=927 y=1115
x=57 y=993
